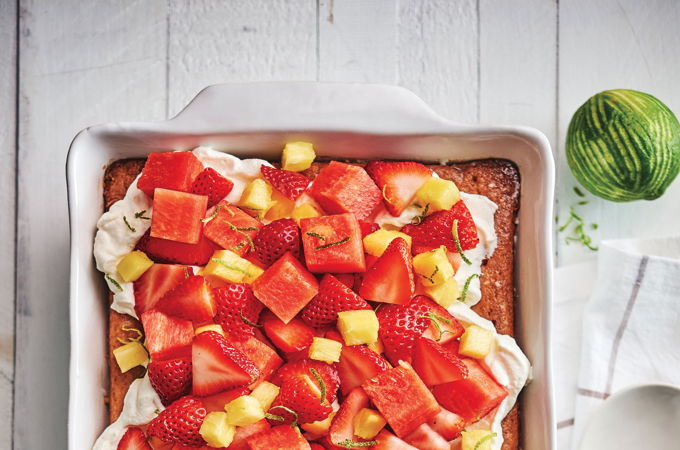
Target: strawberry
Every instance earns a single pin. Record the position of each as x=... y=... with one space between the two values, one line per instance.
x=171 y=379
x=342 y=426
x=213 y=185
x=388 y=441
x=234 y=303
x=133 y=439
x=275 y=239
x=348 y=279
x=217 y=365
x=444 y=328
x=315 y=446
x=192 y=299
x=303 y=367
x=357 y=364
x=155 y=283
x=425 y=437
x=436 y=230
x=448 y=424
x=165 y=251
x=290 y=184
x=302 y=394
x=333 y=297
x=435 y=364
x=290 y=337
x=217 y=401
x=390 y=278
x=401 y=325
x=368 y=228
x=398 y=182
x=180 y=422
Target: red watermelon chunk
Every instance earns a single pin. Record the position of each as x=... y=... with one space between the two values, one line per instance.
x=231 y=228
x=166 y=337
x=290 y=337
x=280 y=437
x=169 y=170
x=402 y=398
x=473 y=397
x=285 y=287
x=165 y=251
x=342 y=426
x=158 y=280
x=435 y=364
x=333 y=244
x=177 y=215
x=388 y=441
x=243 y=433
x=263 y=356
x=216 y=402
x=345 y=188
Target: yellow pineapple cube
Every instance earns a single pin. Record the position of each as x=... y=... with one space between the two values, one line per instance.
x=377 y=346
x=434 y=266
x=476 y=342
x=477 y=439
x=326 y=350
x=368 y=423
x=216 y=430
x=281 y=207
x=257 y=196
x=244 y=410
x=130 y=355
x=320 y=427
x=376 y=242
x=304 y=211
x=444 y=294
x=133 y=265
x=265 y=393
x=226 y=265
x=297 y=156
x=358 y=327
x=438 y=193
x=216 y=327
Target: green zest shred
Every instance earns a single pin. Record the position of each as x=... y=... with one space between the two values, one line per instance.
x=130 y=227
x=273 y=417
x=322 y=385
x=241 y=231
x=316 y=235
x=285 y=408
x=418 y=219
x=238 y=246
x=579 y=192
x=350 y=444
x=248 y=322
x=431 y=277
x=213 y=215
x=486 y=438
x=384 y=196
x=466 y=286
x=229 y=266
x=578 y=231
x=341 y=241
x=186 y=272
x=456 y=239
x=113 y=282
x=435 y=320
x=157 y=411
x=140 y=215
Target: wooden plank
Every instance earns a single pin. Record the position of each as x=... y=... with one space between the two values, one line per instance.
x=80 y=63
x=438 y=49
x=213 y=41
x=612 y=44
x=8 y=85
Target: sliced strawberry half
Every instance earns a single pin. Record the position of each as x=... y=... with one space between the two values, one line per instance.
x=368 y=228
x=133 y=439
x=398 y=182
x=294 y=369
x=290 y=337
x=388 y=441
x=425 y=437
x=401 y=325
x=437 y=230
x=342 y=426
x=435 y=364
x=447 y=424
x=166 y=337
x=390 y=279
x=172 y=252
x=276 y=239
x=218 y=366
x=444 y=328
x=213 y=185
x=290 y=184
x=155 y=283
x=192 y=299
x=303 y=394
x=357 y=364
x=333 y=297
x=171 y=379
x=180 y=422
x=237 y=310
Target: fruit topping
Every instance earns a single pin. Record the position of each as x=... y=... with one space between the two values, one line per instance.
x=387 y=441
x=191 y=299
x=171 y=170
x=166 y=337
x=295 y=369
x=130 y=355
x=368 y=423
x=133 y=439
x=445 y=294
x=304 y=211
x=297 y=156
x=276 y=239
x=171 y=379
x=158 y=280
x=177 y=215
x=213 y=185
x=216 y=431
x=302 y=399
x=425 y=437
x=398 y=182
x=165 y=251
x=435 y=364
x=257 y=197
x=237 y=310
x=290 y=184
x=217 y=402
x=265 y=393
x=133 y=265
x=437 y=229
x=244 y=410
x=326 y=350
x=447 y=424
x=437 y=194
x=377 y=241
x=358 y=327
x=262 y=355
x=231 y=228
x=433 y=267
x=390 y=278
x=342 y=426
x=400 y=326
x=333 y=244
x=333 y=297
x=226 y=266
x=357 y=364
x=180 y=422
x=476 y=342
x=278 y=437
x=290 y=337
x=477 y=439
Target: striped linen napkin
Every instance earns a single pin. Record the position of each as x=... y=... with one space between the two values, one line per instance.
x=618 y=329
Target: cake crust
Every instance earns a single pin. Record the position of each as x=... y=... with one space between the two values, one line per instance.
x=494 y=178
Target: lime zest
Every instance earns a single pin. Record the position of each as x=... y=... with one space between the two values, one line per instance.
x=322 y=385
x=579 y=192
x=340 y=242
x=285 y=408
x=238 y=246
x=435 y=320
x=488 y=437
x=241 y=231
x=347 y=443
x=384 y=196
x=140 y=215
x=273 y=417
x=248 y=322
x=466 y=286
x=157 y=411
x=456 y=240
x=213 y=215
x=417 y=220
x=229 y=266
x=431 y=277
x=113 y=281
x=316 y=235
x=130 y=227
x=186 y=272
x=578 y=231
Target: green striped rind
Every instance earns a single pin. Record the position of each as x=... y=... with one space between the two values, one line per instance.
x=624 y=145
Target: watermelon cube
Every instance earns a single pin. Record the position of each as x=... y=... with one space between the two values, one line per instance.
x=346 y=188
x=282 y=436
x=402 y=398
x=473 y=397
x=216 y=402
x=169 y=170
x=290 y=337
x=243 y=433
x=231 y=228
x=333 y=244
x=285 y=287
x=262 y=355
x=173 y=252
x=177 y=215
x=166 y=337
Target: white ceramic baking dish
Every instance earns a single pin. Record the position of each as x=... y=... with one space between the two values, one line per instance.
x=344 y=121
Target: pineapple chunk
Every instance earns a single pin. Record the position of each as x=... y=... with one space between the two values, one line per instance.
x=244 y=410
x=130 y=355
x=216 y=430
x=438 y=193
x=477 y=439
x=281 y=207
x=434 y=266
x=358 y=327
x=320 y=427
x=211 y=327
x=377 y=346
x=266 y=393
x=133 y=265
x=257 y=196
x=376 y=242
x=368 y=423
x=297 y=156
x=304 y=211
x=326 y=350
x=444 y=294
x=226 y=265
x=476 y=342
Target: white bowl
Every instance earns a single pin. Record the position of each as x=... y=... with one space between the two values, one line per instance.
x=343 y=121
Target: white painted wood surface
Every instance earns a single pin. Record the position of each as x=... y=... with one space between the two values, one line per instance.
x=529 y=62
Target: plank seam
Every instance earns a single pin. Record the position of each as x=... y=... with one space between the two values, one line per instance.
x=16 y=213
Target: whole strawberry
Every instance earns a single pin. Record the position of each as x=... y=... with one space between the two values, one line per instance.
x=333 y=297
x=213 y=185
x=401 y=325
x=234 y=303
x=180 y=422
x=290 y=184
x=171 y=379
x=275 y=239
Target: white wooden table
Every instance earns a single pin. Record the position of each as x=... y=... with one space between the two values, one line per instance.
x=66 y=64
